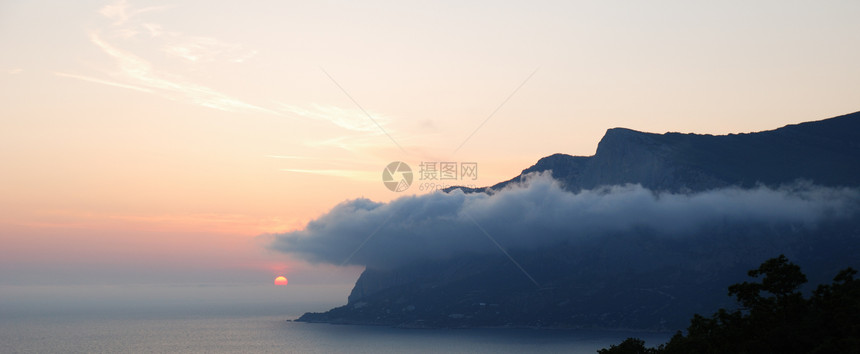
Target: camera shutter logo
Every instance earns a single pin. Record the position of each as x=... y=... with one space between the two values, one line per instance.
x=397 y=176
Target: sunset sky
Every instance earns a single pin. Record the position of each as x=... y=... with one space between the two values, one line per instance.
x=161 y=141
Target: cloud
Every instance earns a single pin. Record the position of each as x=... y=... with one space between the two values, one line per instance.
x=142 y=76
x=134 y=72
x=289 y=157
x=195 y=49
x=344 y=168
x=349 y=119
x=539 y=213
x=351 y=174
x=103 y=82
x=120 y=12
x=116 y=11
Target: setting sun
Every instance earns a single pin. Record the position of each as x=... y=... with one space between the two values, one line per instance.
x=281 y=280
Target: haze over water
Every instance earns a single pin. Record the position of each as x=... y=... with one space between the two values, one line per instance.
x=209 y=319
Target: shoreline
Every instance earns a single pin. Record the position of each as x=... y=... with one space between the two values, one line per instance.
x=429 y=327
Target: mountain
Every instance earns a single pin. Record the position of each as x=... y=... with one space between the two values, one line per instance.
x=826 y=152
x=635 y=279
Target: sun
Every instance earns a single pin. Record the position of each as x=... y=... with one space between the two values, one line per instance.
x=281 y=280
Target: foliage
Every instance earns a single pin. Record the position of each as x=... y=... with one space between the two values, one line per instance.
x=773 y=317
x=629 y=346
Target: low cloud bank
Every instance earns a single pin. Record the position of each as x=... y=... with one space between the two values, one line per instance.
x=540 y=213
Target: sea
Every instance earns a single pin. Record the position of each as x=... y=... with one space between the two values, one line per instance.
x=64 y=320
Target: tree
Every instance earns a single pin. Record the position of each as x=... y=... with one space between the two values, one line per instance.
x=629 y=346
x=773 y=317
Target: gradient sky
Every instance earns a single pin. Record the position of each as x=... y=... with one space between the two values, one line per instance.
x=154 y=141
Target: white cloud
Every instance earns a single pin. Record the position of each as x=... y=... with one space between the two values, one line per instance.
x=203 y=49
x=350 y=174
x=542 y=214
x=121 y=12
x=141 y=75
x=349 y=119
x=103 y=82
x=134 y=72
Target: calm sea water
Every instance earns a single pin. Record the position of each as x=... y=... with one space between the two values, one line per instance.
x=196 y=326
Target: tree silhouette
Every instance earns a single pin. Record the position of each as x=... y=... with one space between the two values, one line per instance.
x=629 y=346
x=773 y=317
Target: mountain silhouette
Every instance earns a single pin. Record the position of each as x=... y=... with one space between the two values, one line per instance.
x=826 y=152
x=632 y=279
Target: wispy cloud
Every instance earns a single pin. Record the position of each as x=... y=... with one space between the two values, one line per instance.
x=349 y=119
x=354 y=143
x=15 y=71
x=351 y=174
x=245 y=57
x=289 y=157
x=153 y=29
x=104 y=82
x=320 y=159
x=334 y=167
x=361 y=134
x=134 y=72
x=142 y=74
x=120 y=12
x=195 y=49
x=203 y=49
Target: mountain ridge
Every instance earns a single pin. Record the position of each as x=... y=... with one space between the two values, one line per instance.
x=631 y=279
x=675 y=162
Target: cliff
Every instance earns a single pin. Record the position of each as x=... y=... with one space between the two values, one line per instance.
x=825 y=152
x=633 y=279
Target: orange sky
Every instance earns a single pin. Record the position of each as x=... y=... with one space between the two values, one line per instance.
x=161 y=138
